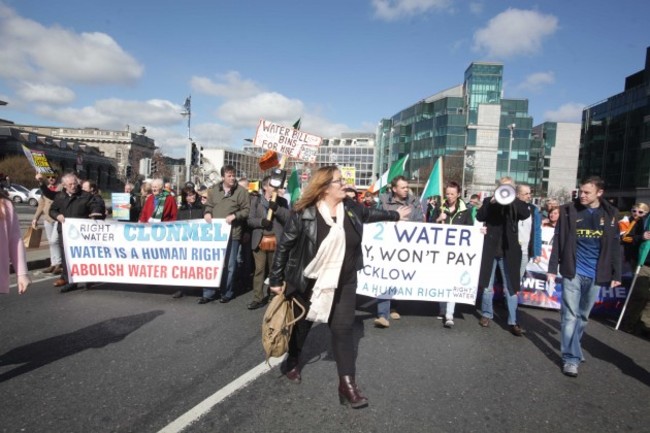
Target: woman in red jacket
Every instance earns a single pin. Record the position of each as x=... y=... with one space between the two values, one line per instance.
x=159 y=206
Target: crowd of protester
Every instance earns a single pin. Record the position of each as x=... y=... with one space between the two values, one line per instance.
x=312 y=251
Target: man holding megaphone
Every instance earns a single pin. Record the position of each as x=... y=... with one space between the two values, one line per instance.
x=501 y=250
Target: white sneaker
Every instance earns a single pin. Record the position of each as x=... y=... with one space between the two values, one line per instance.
x=395 y=315
x=570 y=370
x=449 y=322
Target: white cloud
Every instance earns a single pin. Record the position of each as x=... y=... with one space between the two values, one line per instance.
x=56 y=55
x=390 y=10
x=46 y=93
x=476 y=8
x=535 y=82
x=116 y=113
x=268 y=105
x=232 y=86
x=515 y=32
x=569 y=112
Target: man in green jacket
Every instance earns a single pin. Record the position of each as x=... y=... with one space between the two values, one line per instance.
x=229 y=201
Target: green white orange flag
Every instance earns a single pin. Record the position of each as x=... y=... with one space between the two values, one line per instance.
x=395 y=170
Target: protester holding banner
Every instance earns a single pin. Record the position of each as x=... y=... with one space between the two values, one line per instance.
x=586 y=250
x=191 y=208
x=453 y=211
x=530 y=230
x=90 y=186
x=71 y=202
x=261 y=228
x=12 y=248
x=501 y=251
x=230 y=201
x=553 y=216
x=318 y=257
x=160 y=205
x=134 y=203
x=49 y=224
x=398 y=197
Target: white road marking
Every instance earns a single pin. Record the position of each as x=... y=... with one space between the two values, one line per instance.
x=192 y=415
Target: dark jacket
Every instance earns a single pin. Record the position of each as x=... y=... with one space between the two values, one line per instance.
x=258 y=213
x=461 y=216
x=501 y=222
x=190 y=211
x=136 y=207
x=297 y=246
x=565 y=243
x=78 y=205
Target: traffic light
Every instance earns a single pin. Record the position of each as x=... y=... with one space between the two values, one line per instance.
x=129 y=171
x=195 y=155
x=574 y=194
x=201 y=156
x=465 y=193
x=154 y=166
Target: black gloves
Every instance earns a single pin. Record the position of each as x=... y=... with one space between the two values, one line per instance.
x=267 y=224
x=273 y=206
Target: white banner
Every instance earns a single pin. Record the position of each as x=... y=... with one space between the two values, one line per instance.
x=421 y=261
x=180 y=253
x=287 y=141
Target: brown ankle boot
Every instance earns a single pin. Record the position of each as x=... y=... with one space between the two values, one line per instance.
x=350 y=393
x=293 y=370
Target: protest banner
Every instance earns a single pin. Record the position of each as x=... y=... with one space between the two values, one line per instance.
x=179 y=253
x=420 y=261
x=288 y=141
x=121 y=204
x=38 y=160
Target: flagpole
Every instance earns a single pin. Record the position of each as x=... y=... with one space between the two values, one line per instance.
x=188 y=148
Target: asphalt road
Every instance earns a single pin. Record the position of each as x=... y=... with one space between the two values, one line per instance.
x=132 y=359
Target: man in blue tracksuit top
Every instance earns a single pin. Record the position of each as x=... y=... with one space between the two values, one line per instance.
x=586 y=249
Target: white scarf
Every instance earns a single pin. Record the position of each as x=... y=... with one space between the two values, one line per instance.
x=326 y=265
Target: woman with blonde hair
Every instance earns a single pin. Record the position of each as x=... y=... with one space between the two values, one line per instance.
x=12 y=248
x=318 y=257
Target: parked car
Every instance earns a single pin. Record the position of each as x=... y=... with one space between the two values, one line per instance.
x=18 y=193
x=34 y=196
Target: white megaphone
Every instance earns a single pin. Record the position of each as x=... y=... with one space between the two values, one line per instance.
x=505 y=194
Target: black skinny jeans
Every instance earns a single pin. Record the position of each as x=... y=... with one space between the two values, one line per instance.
x=341 y=324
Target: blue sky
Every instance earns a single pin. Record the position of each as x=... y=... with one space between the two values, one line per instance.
x=339 y=65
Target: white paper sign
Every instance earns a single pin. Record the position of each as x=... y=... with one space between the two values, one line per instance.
x=421 y=261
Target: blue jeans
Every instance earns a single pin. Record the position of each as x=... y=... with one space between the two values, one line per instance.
x=579 y=295
x=228 y=275
x=383 y=308
x=488 y=294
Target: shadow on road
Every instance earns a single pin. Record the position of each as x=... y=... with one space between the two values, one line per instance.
x=40 y=353
x=600 y=350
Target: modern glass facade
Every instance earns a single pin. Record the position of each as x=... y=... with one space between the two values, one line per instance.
x=615 y=140
x=469 y=125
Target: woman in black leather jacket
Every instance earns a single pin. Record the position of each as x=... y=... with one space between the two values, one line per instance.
x=314 y=235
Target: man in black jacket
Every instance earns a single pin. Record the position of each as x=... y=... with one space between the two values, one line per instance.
x=586 y=248
x=501 y=250
x=72 y=202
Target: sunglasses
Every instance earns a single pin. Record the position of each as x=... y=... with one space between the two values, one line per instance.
x=637 y=211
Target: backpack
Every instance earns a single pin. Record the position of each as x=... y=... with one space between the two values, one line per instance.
x=277 y=324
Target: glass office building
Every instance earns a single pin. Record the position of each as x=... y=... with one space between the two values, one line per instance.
x=480 y=135
x=615 y=141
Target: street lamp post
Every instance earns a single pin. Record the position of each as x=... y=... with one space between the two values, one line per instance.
x=512 y=130
x=188 y=150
